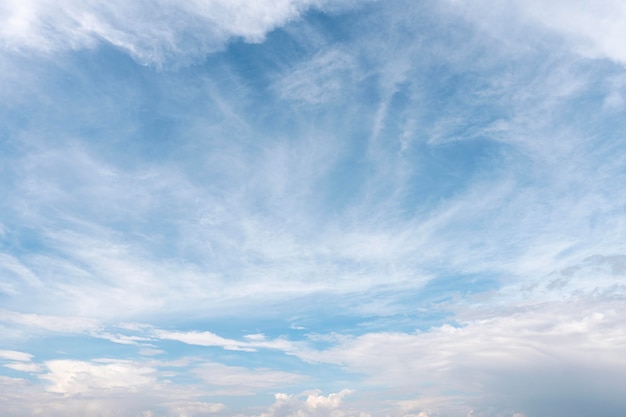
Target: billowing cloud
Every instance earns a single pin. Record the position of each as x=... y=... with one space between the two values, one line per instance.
x=70 y=377
x=542 y=359
x=310 y=404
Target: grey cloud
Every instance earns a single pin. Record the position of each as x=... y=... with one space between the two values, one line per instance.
x=237 y=380
x=558 y=358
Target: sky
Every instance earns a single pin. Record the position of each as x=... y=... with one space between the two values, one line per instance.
x=312 y=208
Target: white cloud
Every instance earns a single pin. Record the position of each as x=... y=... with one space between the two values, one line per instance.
x=150 y=352
x=311 y=404
x=486 y=362
x=593 y=29
x=122 y=339
x=165 y=238
x=206 y=338
x=24 y=367
x=195 y=408
x=111 y=387
x=11 y=266
x=151 y=32
x=14 y=355
x=65 y=324
x=325 y=77
x=200 y=339
x=71 y=377
x=237 y=380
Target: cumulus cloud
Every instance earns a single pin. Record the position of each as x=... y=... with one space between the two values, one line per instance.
x=311 y=404
x=103 y=387
x=79 y=387
x=553 y=358
x=70 y=377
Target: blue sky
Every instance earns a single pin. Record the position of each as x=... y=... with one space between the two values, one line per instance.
x=312 y=208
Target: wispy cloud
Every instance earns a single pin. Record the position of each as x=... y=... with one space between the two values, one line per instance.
x=153 y=35
x=251 y=343
x=15 y=355
x=206 y=203
x=51 y=323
